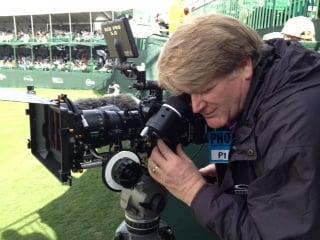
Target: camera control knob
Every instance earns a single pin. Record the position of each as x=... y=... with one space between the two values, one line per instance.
x=126 y=172
x=123 y=170
x=156 y=204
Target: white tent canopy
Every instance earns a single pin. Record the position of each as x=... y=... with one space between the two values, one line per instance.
x=37 y=7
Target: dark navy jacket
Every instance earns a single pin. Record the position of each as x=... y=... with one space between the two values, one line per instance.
x=275 y=158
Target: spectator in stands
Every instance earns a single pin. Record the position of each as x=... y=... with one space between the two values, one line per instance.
x=187 y=15
x=297 y=28
x=114 y=89
x=42 y=36
x=161 y=27
x=97 y=34
x=266 y=96
x=6 y=36
x=176 y=15
x=179 y=13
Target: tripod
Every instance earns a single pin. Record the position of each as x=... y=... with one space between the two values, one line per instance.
x=142 y=199
x=143 y=205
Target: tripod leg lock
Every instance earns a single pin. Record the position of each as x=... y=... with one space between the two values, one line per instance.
x=166 y=233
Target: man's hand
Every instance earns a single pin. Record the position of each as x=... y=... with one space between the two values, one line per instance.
x=175 y=171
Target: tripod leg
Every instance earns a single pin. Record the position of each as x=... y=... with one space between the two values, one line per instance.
x=119 y=236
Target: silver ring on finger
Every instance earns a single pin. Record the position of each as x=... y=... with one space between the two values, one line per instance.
x=155 y=169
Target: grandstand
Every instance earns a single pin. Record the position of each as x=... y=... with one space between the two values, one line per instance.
x=55 y=49
x=58 y=50
x=264 y=16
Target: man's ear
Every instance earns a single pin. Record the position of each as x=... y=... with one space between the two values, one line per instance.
x=246 y=67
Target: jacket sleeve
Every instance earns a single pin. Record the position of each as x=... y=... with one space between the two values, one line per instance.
x=225 y=214
x=283 y=200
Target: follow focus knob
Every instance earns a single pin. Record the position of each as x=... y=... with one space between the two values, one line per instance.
x=123 y=170
x=126 y=172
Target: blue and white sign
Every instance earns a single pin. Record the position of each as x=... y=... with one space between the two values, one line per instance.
x=219 y=146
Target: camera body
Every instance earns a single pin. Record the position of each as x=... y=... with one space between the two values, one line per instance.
x=68 y=139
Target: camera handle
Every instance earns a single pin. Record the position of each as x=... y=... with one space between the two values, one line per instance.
x=141 y=198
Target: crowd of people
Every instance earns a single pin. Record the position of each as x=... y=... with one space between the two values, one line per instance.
x=61 y=61
x=43 y=36
x=58 y=63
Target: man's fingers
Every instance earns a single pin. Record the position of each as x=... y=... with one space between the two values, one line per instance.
x=165 y=150
x=209 y=170
x=182 y=154
x=156 y=158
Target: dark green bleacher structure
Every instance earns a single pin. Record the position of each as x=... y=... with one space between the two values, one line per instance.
x=265 y=16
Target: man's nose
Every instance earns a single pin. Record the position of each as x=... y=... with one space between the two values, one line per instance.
x=197 y=103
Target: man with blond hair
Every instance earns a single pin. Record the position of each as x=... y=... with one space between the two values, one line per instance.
x=268 y=96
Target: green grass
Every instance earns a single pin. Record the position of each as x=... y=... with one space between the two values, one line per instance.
x=33 y=204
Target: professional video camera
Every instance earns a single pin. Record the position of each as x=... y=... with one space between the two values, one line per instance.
x=67 y=137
